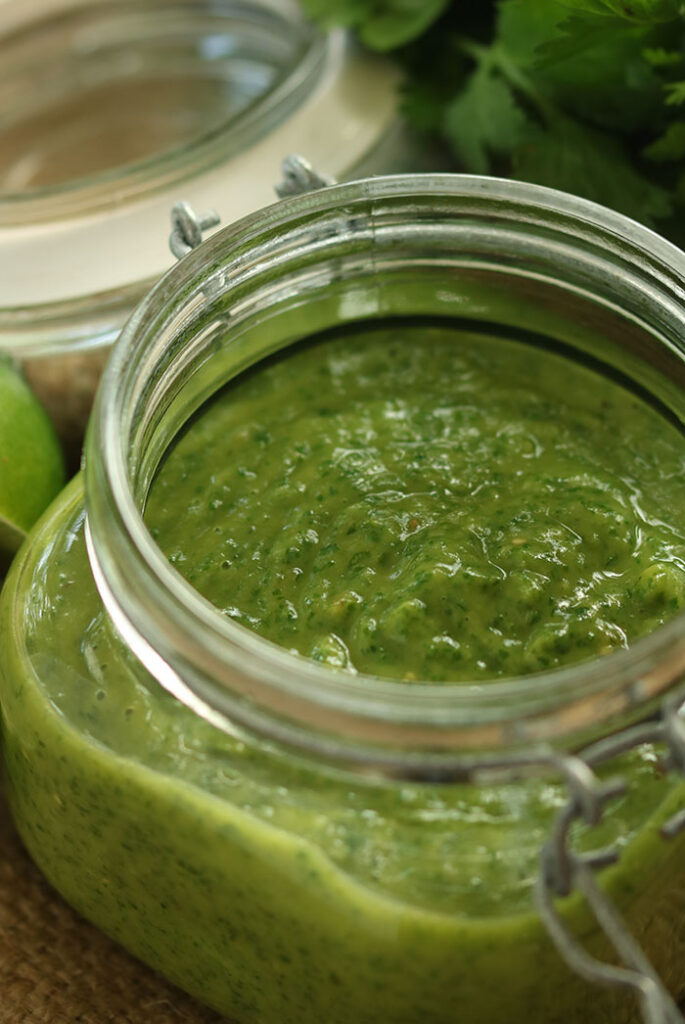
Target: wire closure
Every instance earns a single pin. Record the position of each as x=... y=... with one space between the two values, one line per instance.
x=187 y=227
x=562 y=870
x=299 y=177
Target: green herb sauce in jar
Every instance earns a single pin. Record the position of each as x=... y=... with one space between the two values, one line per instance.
x=423 y=503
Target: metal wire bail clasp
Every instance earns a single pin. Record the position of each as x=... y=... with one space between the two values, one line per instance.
x=562 y=870
x=187 y=227
x=299 y=177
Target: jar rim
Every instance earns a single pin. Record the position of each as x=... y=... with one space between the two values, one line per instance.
x=377 y=713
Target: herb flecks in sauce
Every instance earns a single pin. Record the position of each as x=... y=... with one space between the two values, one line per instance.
x=426 y=504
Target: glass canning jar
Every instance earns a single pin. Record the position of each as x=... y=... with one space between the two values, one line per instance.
x=107 y=108
x=287 y=842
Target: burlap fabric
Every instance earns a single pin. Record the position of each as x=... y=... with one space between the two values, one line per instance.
x=55 y=968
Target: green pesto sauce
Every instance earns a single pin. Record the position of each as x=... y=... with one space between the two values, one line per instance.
x=422 y=503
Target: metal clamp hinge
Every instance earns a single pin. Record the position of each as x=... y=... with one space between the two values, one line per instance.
x=563 y=871
x=187 y=228
x=299 y=177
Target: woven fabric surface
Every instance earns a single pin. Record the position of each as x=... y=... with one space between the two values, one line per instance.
x=55 y=968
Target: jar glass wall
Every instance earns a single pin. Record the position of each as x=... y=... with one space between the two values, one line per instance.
x=206 y=828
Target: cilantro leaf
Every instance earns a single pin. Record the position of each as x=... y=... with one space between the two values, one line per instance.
x=586 y=162
x=635 y=10
x=426 y=97
x=483 y=120
x=581 y=95
x=660 y=57
x=675 y=93
x=524 y=26
x=397 y=22
x=381 y=24
x=534 y=113
x=596 y=68
x=669 y=146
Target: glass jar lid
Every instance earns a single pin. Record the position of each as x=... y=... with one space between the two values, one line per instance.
x=111 y=110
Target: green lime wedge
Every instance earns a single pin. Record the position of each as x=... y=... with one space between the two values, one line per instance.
x=31 y=461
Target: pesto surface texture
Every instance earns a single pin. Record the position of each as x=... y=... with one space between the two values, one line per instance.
x=420 y=503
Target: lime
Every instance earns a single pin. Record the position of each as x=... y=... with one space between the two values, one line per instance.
x=31 y=461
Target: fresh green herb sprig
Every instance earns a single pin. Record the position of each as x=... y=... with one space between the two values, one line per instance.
x=587 y=96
